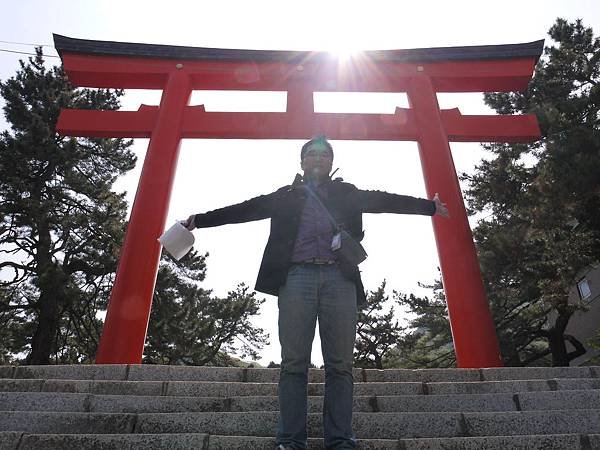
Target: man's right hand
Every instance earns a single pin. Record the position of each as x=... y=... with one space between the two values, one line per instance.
x=441 y=209
x=190 y=223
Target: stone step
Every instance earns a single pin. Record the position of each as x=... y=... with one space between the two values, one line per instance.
x=136 y=372
x=366 y=425
x=135 y=406
x=198 y=441
x=386 y=425
x=534 y=442
x=235 y=389
x=521 y=401
x=189 y=388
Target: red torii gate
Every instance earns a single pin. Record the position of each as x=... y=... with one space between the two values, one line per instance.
x=421 y=73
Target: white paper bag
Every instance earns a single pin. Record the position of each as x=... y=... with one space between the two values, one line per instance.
x=177 y=240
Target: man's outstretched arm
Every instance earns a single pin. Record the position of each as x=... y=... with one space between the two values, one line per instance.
x=384 y=202
x=257 y=208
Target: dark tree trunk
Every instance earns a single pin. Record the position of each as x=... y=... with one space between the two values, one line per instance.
x=46 y=331
x=556 y=339
x=579 y=348
x=558 y=347
x=51 y=284
x=378 y=361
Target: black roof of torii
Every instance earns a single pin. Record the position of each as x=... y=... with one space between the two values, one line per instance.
x=64 y=44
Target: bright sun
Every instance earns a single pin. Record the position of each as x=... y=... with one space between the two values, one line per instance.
x=343 y=51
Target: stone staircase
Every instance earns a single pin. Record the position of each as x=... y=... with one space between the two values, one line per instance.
x=177 y=407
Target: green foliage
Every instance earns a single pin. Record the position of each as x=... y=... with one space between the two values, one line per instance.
x=594 y=342
x=542 y=201
x=376 y=332
x=430 y=344
x=11 y=324
x=428 y=340
x=188 y=326
x=61 y=225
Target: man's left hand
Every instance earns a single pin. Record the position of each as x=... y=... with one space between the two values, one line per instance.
x=190 y=223
x=440 y=208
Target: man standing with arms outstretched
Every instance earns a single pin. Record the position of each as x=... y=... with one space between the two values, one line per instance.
x=312 y=278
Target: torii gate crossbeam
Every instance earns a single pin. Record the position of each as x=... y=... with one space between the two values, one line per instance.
x=421 y=73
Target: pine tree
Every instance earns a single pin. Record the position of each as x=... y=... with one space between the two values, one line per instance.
x=189 y=326
x=61 y=225
x=427 y=340
x=543 y=201
x=376 y=332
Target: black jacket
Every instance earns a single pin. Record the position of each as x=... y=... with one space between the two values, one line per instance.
x=344 y=201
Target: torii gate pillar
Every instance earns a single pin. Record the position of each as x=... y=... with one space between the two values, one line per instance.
x=122 y=336
x=177 y=70
x=475 y=341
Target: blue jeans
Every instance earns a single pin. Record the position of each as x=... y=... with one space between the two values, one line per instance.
x=311 y=292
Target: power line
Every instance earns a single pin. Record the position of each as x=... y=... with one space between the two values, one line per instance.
x=27 y=53
x=26 y=43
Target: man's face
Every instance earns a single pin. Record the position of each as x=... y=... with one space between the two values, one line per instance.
x=317 y=161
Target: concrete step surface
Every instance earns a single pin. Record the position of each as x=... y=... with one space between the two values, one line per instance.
x=192 y=388
x=241 y=389
x=170 y=407
x=199 y=441
x=263 y=423
x=139 y=372
x=520 y=401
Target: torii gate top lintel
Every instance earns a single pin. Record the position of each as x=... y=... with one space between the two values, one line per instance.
x=66 y=44
x=488 y=68
x=455 y=69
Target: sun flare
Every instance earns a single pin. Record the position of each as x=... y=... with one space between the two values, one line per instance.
x=343 y=50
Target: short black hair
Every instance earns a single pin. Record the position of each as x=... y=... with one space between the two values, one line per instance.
x=320 y=139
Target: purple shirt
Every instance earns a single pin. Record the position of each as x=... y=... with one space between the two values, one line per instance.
x=314 y=231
